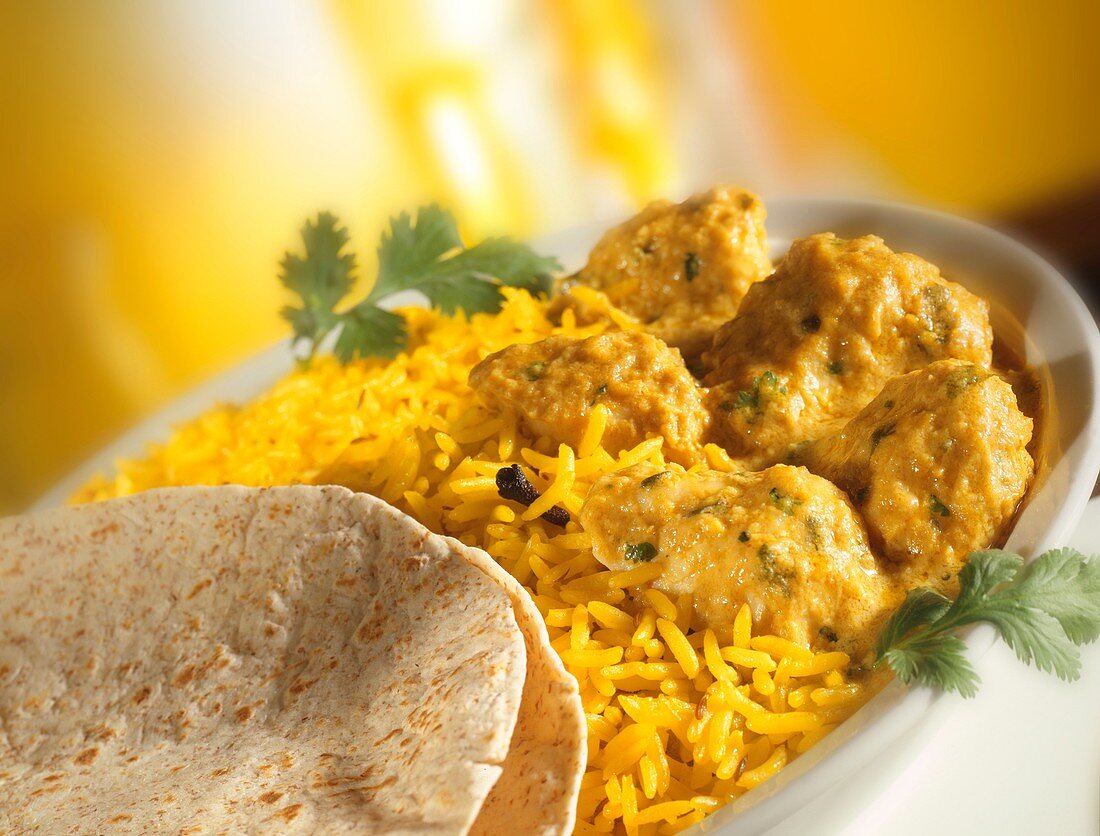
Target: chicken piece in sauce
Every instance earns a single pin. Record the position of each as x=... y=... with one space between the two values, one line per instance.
x=937 y=464
x=813 y=344
x=784 y=541
x=553 y=386
x=682 y=268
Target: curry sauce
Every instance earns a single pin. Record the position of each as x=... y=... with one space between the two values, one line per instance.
x=879 y=432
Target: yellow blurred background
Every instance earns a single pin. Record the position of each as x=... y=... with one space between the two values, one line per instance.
x=157 y=157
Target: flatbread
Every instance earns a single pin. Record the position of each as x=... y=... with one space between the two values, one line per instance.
x=294 y=659
x=537 y=793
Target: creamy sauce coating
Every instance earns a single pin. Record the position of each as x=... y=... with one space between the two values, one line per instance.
x=813 y=344
x=783 y=540
x=682 y=268
x=937 y=465
x=554 y=385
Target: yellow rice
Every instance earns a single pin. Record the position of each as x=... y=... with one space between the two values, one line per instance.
x=680 y=720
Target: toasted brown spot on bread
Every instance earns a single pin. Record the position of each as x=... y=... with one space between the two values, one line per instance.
x=289 y=813
x=184 y=676
x=199 y=587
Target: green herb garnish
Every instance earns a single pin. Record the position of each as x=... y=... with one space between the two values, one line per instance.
x=959 y=380
x=813 y=529
x=771 y=571
x=426 y=255
x=534 y=371
x=811 y=324
x=784 y=502
x=601 y=390
x=765 y=387
x=836 y=367
x=938 y=507
x=743 y=537
x=1043 y=610
x=715 y=506
x=650 y=481
x=640 y=552
x=828 y=633
x=936 y=312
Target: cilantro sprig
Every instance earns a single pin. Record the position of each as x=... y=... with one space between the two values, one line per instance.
x=425 y=255
x=1043 y=610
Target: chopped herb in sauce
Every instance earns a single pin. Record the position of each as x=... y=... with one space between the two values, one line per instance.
x=813 y=529
x=743 y=537
x=811 y=324
x=962 y=379
x=765 y=387
x=650 y=481
x=880 y=433
x=936 y=313
x=836 y=367
x=828 y=633
x=888 y=404
x=771 y=571
x=601 y=390
x=513 y=485
x=714 y=506
x=692 y=264
x=640 y=552
x=534 y=371
x=784 y=502
x=938 y=507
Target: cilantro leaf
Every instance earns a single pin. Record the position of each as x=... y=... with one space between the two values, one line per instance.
x=1041 y=609
x=511 y=263
x=470 y=293
x=1024 y=604
x=921 y=606
x=424 y=253
x=369 y=330
x=1036 y=637
x=934 y=659
x=427 y=256
x=320 y=278
x=985 y=571
x=1060 y=583
x=411 y=249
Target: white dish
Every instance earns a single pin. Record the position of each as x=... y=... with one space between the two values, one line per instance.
x=1059 y=338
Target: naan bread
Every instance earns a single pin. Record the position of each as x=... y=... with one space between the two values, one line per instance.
x=295 y=660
